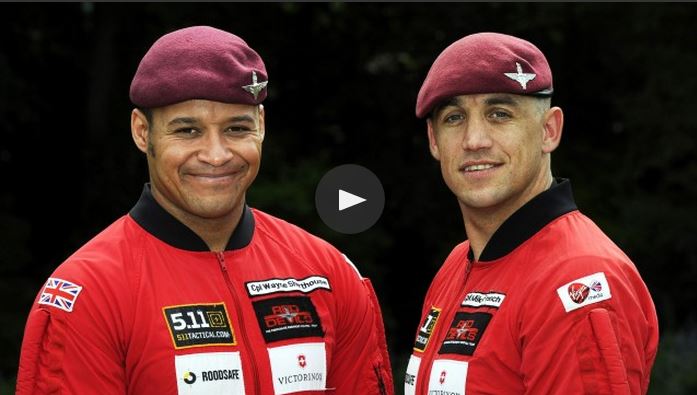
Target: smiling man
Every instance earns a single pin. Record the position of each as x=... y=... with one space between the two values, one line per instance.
x=194 y=292
x=537 y=300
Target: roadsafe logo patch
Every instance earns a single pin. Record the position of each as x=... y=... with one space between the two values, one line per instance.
x=584 y=291
x=198 y=325
x=411 y=375
x=274 y=285
x=209 y=373
x=288 y=318
x=426 y=329
x=465 y=333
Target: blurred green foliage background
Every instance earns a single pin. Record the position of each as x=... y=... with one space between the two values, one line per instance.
x=343 y=84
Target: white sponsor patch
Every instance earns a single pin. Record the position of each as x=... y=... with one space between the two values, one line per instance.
x=411 y=375
x=448 y=377
x=478 y=299
x=298 y=367
x=209 y=373
x=584 y=291
x=305 y=285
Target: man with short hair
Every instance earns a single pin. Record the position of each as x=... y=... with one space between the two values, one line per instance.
x=194 y=292
x=537 y=300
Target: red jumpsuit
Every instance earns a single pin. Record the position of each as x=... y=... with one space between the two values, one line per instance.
x=146 y=308
x=551 y=307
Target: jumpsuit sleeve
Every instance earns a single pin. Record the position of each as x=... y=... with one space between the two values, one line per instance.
x=593 y=331
x=71 y=347
x=361 y=363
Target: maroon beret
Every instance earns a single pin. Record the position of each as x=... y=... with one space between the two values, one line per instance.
x=485 y=63
x=199 y=62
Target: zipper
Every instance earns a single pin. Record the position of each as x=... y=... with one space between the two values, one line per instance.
x=444 y=325
x=468 y=269
x=381 y=382
x=238 y=309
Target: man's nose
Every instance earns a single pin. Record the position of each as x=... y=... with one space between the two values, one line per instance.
x=215 y=151
x=477 y=135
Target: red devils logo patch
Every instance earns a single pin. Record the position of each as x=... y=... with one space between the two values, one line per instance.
x=578 y=292
x=288 y=317
x=465 y=333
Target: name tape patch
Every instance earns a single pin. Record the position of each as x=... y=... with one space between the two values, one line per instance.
x=478 y=299
x=198 y=325
x=465 y=333
x=584 y=291
x=274 y=285
x=426 y=329
x=288 y=317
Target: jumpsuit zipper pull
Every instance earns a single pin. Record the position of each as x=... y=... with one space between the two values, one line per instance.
x=221 y=260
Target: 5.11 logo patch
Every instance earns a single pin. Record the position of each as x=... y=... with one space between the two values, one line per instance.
x=198 y=325
x=288 y=318
x=426 y=329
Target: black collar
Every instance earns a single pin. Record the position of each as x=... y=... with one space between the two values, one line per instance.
x=161 y=224
x=528 y=220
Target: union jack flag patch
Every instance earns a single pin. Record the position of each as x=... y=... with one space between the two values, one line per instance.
x=60 y=293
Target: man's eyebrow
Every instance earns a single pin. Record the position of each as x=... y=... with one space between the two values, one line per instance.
x=182 y=121
x=187 y=121
x=241 y=118
x=501 y=100
x=452 y=102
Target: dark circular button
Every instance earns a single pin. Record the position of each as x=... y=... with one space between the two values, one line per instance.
x=349 y=198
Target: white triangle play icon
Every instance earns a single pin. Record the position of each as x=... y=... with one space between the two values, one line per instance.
x=347 y=200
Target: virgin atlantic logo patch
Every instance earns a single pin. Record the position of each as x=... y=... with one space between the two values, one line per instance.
x=584 y=291
x=578 y=292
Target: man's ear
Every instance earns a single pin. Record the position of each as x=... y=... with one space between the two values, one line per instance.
x=140 y=129
x=262 y=122
x=553 y=124
x=432 y=145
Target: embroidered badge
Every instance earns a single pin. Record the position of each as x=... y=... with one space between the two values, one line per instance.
x=478 y=299
x=255 y=87
x=288 y=318
x=584 y=291
x=60 y=294
x=465 y=333
x=411 y=375
x=274 y=285
x=199 y=325
x=520 y=77
x=448 y=377
x=426 y=329
x=298 y=367
x=209 y=373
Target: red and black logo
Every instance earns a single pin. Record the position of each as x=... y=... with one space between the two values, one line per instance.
x=465 y=333
x=288 y=318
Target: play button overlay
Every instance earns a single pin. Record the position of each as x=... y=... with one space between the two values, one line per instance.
x=349 y=199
